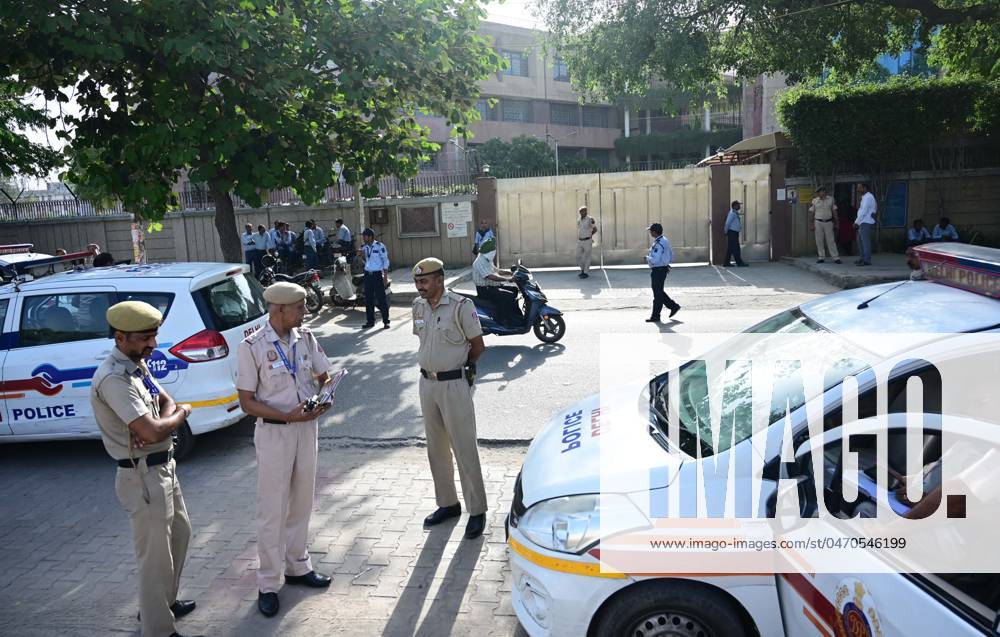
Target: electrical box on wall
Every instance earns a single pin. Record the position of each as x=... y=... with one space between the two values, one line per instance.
x=378 y=216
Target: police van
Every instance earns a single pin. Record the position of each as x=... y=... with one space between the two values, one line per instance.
x=54 y=334
x=562 y=586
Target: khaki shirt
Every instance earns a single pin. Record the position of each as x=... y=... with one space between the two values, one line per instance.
x=823 y=209
x=445 y=331
x=585 y=228
x=118 y=396
x=262 y=371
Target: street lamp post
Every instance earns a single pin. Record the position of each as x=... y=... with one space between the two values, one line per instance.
x=555 y=142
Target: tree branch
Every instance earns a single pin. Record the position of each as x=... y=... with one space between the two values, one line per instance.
x=941 y=15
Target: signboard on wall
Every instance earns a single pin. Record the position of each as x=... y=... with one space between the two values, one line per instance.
x=456 y=215
x=896 y=199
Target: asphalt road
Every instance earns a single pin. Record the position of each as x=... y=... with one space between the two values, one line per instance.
x=522 y=381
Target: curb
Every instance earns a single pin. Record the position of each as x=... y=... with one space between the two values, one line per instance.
x=843 y=280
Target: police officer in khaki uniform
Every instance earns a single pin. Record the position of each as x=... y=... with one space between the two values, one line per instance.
x=586 y=228
x=137 y=419
x=281 y=367
x=451 y=341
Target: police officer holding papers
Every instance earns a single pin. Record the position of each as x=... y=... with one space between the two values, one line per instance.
x=281 y=367
x=451 y=341
x=137 y=419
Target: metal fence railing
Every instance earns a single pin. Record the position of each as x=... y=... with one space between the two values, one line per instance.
x=56 y=209
x=634 y=166
x=197 y=197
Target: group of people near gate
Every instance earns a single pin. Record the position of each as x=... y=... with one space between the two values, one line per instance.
x=312 y=247
x=280 y=368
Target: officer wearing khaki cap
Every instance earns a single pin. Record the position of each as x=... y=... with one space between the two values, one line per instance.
x=280 y=367
x=137 y=418
x=451 y=341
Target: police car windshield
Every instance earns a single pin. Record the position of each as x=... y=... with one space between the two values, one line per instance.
x=695 y=431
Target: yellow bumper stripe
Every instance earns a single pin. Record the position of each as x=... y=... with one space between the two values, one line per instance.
x=215 y=401
x=560 y=565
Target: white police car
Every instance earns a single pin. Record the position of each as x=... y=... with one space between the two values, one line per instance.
x=54 y=334
x=558 y=513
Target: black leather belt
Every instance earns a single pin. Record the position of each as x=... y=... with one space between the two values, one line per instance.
x=454 y=374
x=275 y=422
x=153 y=459
x=587 y=239
x=824 y=220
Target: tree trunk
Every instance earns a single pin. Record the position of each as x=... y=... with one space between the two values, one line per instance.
x=225 y=223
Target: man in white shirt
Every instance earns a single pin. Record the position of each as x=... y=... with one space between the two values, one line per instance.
x=944 y=231
x=865 y=223
x=309 y=246
x=586 y=227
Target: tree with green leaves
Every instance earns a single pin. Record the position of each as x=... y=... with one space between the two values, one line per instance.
x=521 y=155
x=616 y=47
x=19 y=156
x=245 y=96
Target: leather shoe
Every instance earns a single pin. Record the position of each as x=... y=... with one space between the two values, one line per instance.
x=180 y=635
x=267 y=603
x=442 y=514
x=476 y=526
x=385 y=325
x=367 y=325
x=180 y=608
x=653 y=319
x=311 y=579
x=674 y=310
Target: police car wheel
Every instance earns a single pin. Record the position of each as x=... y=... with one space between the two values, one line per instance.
x=670 y=609
x=550 y=329
x=184 y=443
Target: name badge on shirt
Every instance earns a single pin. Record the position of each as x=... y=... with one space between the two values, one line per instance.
x=276 y=364
x=419 y=322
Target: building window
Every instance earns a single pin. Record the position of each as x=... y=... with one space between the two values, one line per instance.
x=516 y=111
x=602 y=156
x=564 y=114
x=517 y=62
x=595 y=117
x=486 y=112
x=418 y=221
x=560 y=71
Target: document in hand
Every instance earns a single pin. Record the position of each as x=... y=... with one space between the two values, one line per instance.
x=328 y=390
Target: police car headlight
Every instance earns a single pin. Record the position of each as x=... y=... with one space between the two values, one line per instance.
x=572 y=524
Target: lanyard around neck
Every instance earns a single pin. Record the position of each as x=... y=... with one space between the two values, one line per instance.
x=289 y=365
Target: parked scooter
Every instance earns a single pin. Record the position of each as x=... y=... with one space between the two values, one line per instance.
x=536 y=315
x=309 y=280
x=348 y=288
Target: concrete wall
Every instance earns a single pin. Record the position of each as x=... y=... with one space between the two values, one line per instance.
x=191 y=236
x=536 y=217
x=971 y=199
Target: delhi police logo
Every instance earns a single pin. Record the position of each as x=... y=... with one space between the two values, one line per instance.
x=857 y=615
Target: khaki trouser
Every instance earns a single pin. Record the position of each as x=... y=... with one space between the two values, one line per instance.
x=161 y=531
x=583 y=250
x=824 y=233
x=450 y=425
x=286 y=482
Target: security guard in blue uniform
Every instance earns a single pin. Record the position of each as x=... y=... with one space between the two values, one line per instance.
x=376 y=278
x=659 y=258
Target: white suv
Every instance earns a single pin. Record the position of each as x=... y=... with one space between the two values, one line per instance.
x=54 y=335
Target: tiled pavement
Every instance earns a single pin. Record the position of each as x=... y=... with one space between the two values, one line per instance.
x=67 y=566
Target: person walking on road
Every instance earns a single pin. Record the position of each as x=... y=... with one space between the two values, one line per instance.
x=586 y=227
x=451 y=341
x=376 y=278
x=732 y=229
x=823 y=223
x=865 y=223
x=659 y=258
x=137 y=419
x=279 y=368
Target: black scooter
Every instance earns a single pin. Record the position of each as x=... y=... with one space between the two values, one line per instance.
x=309 y=280
x=536 y=315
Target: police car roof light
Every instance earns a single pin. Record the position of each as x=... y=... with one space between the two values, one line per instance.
x=16 y=248
x=967 y=267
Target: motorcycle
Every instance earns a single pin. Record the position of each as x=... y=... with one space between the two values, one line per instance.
x=348 y=288
x=536 y=315
x=309 y=280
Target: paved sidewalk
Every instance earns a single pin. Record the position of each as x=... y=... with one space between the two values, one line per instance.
x=885 y=268
x=67 y=566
